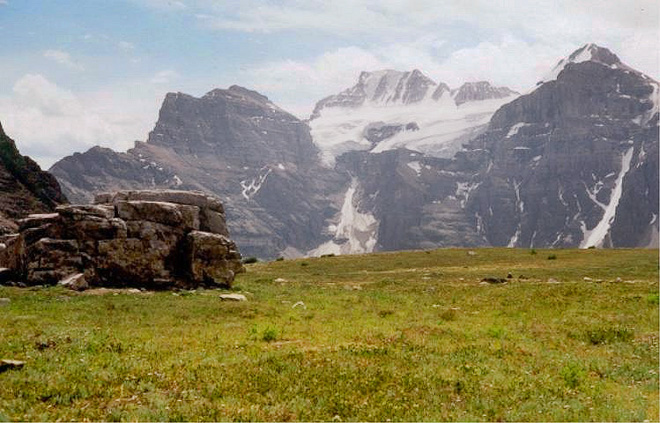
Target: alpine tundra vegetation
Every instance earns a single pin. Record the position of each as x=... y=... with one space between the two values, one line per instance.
x=407 y=336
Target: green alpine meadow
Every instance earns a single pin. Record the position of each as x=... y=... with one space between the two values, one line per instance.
x=441 y=335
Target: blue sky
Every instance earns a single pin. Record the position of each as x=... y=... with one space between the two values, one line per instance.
x=74 y=74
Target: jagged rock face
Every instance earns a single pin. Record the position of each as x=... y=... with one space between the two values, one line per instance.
x=235 y=144
x=142 y=239
x=574 y=163
x=102 y=169
x=416 y=200
x=479 y=91
x=24 y=187
x=382 y=88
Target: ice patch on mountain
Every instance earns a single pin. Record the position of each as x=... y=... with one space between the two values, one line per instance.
x=355 y=233
x=443 y=126
x=596 y=236
x=251 y=186
x=515 y=128
x=416 y=166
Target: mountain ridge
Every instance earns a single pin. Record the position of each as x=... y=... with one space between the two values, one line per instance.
x=562 y=165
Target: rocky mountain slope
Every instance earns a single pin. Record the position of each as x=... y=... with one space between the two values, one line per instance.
x=389 y=109
x=572 y=163
x=233 y=143
x=24 y=187
x=575 y=162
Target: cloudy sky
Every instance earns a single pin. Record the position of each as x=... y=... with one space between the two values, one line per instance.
x=77 y=73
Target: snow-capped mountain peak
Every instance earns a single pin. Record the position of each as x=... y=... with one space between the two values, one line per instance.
x=390 y=109
x=587 y=53
x=382 y=88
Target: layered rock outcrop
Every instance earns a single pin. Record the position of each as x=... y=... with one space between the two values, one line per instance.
x=146 y=239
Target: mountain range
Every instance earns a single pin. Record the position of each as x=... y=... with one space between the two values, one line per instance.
x=399 y=161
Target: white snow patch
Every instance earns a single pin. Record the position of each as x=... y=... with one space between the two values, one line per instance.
x=443 y=126
x=654 y=97
x=280 y=166
x=519 y=202
x=561 y=197
x=252 y=186
x=416 y=166
x=463 y=191
x=515 y=128
x=359 y=230
x=536 y=158
x=177 y=180
x=514 y=239
x=584 y=56
x=596 y=236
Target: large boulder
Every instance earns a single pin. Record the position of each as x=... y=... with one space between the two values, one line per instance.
x=143 y=239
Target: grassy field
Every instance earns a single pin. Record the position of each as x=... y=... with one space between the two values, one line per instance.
x=400 y=336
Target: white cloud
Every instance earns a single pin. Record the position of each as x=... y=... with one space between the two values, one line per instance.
x=539 y=18
x=126 y=46
x=63 y=58
x=167 y=5
x=504 y=61
x=512 y=43
x=298 y=85
x=48 y=122
x=164 y=77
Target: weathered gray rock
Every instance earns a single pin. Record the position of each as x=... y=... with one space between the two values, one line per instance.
x=76 y=282
x=177 y=215
x=81 y=211
x=36 y=220
x=212 y=258
x=126 y=243
x=6 y=364
x=233 y=297
x=192 y=198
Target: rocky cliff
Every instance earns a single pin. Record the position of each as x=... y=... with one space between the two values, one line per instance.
x=573 y=163
x=24 y=187
x=233 y=143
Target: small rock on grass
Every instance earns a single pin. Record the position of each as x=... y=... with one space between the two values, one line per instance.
x=76 y=282
x=6 y=364
x=553 y=280
x=233 y=297
x=4 y=301
x=493 y=280
x=299 y=304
